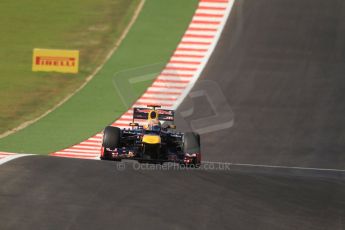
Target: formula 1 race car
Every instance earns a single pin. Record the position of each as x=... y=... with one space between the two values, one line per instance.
x=151 y=143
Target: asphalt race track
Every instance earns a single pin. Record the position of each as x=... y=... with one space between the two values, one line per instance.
x=279 y=68
x=57 y=193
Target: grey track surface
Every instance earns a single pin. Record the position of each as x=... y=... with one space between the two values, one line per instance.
x=56 y=193
x=280 y=66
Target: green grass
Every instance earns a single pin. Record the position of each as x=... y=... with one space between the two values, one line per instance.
x=151 y=40
x=87 y=25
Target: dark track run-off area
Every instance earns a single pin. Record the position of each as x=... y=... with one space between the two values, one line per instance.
x=280 y=67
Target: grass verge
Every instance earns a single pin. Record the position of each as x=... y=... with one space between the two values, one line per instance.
x=87 y=25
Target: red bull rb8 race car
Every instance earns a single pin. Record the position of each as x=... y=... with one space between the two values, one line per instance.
x=153 y=142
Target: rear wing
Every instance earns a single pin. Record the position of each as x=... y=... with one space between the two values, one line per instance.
x=163 y=114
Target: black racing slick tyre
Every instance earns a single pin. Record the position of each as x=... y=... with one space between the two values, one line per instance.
x=191 y=145
x=191 y=142
x=111 y=137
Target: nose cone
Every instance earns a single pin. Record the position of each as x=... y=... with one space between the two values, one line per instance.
x=151 y=139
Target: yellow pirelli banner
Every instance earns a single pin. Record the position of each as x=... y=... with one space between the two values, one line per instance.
x=63 y=61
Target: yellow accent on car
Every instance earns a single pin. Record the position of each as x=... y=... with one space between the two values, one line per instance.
x=153 y=115
x=151 y=139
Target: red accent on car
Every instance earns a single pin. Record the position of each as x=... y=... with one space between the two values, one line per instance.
x=102 y=151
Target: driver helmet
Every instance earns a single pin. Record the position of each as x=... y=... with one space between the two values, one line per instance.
x=154 y=125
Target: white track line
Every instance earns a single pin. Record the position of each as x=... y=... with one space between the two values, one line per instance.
x=12 y=157
x=228 y=7
x=275 y=166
